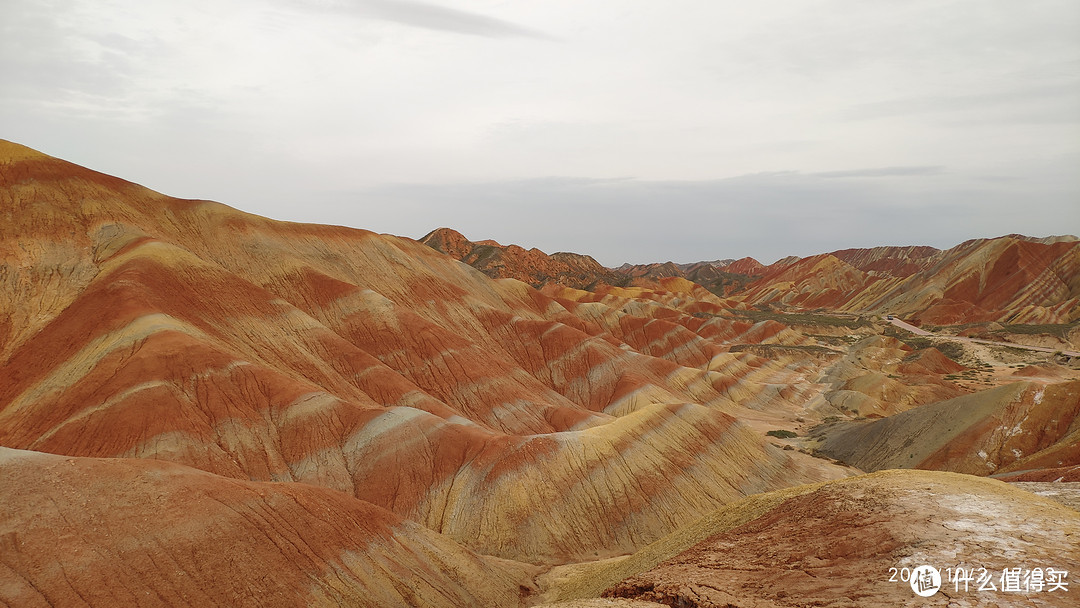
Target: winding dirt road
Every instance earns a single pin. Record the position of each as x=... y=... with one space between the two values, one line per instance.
x=922 y=332
x=909 y=327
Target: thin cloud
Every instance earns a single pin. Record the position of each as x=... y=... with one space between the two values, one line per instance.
x=882 y=172
x=1058 y=99
x=434 y=17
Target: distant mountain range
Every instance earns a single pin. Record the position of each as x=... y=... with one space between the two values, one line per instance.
x=1011 y=279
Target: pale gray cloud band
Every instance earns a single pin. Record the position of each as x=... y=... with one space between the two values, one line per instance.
x=430 y=16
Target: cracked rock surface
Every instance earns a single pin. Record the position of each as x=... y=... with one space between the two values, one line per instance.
x=835 y=546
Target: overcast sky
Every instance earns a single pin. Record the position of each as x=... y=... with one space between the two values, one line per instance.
x=633 y=131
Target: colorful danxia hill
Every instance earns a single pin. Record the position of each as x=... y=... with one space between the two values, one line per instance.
x=203 y=407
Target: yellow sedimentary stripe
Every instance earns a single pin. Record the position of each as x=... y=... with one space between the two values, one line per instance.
x=308 y=405
x=66 y=374
x=174 y=446
x=160 y=251
x=85 y=414
x=611 y=487
x=639 y=398
x=391 y=428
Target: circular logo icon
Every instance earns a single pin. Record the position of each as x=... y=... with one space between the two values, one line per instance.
x=925 y=581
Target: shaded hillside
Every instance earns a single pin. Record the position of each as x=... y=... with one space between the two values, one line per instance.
x=531 y=266
x=1016 y=427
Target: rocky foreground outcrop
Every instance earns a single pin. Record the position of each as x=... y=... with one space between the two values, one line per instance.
x=848 y=543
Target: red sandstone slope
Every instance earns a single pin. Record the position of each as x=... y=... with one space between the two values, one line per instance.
x=721 y=277
x=918 y=281
x=511 y=261
x=1012 y=278
x=892 y=261
x=142 y=326
x=820 y=281
x=881 y=376
x=747 y=266
x=1007 y=279
x=126 y=532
